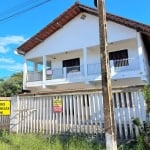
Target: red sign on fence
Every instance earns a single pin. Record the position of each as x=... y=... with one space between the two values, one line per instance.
x=57 y=105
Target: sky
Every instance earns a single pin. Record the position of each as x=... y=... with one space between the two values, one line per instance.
x=15 y=30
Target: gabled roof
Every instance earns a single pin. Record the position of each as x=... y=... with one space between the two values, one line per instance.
x=72 y=12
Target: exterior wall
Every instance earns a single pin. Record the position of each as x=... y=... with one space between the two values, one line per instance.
x=128 y=76
x=79 y=39
x=78 y=34
x=118 y=32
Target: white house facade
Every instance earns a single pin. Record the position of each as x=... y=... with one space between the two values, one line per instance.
x=65 y=55
x=64 y=58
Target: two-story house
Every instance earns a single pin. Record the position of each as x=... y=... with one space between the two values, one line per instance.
x=64 y=57
x=65 y=54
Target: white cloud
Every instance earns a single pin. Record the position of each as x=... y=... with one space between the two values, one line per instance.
x=6 y=60
x=3 y=49
x=14 y=67
x=7 y=41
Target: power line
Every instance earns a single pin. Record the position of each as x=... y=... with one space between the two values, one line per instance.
x=16 y=8
x=14 y=14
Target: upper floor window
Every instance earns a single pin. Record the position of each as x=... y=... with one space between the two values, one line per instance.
x=72 y=65
x=120 y=58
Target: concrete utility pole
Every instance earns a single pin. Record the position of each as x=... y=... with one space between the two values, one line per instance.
x=110 y=135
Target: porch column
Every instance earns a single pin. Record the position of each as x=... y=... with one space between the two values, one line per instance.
x=85 y=61
x=141 y=55
x=25 y=73
x=44 y=71
x=35 y=67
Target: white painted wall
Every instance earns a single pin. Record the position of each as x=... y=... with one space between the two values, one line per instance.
x=118 y=32
x=78 y=34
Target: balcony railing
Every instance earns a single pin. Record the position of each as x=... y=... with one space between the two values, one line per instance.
x=121 y=65
x=35 y=76
x=54 y=73
x=92 y=69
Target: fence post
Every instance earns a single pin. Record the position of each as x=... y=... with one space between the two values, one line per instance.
x=13 y=115
x=18 y=114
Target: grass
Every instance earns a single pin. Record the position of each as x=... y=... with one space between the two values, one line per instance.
x=9 y=141
x=39 y=142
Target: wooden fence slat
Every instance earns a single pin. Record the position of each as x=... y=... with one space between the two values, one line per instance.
x=119 y=122
x=82 y=114
x=51 y=114
x=78 y=113
x=71 y=112
x=129 y=107
x=124 y=115
x=67 y=109
x=90 y=97
x=134 y=110
x=64 y=113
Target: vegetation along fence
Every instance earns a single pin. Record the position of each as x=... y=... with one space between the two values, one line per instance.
x=77 y=112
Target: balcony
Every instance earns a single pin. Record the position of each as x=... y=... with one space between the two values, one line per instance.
x=117 y=67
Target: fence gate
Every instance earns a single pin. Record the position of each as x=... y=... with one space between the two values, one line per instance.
x=4 y=113
x=77 y=112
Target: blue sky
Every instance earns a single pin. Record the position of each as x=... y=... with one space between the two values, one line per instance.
x=16 y=30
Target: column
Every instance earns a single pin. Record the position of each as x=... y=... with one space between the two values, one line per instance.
x=85 y=61
x=141 y=55
x=25 y=79
x=44 y=71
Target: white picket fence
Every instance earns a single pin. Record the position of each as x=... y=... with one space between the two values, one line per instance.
x=81 y=112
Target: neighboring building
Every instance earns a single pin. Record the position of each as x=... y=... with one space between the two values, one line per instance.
x=65 y=54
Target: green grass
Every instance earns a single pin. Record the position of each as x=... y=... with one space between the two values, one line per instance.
x=39 y=142
x=59 y=142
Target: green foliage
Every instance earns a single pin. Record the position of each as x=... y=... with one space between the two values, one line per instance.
x=143 y=140
x=146 y=93
x=40 y=142
x=137 y=122
x=1 y=80
x=11 y=86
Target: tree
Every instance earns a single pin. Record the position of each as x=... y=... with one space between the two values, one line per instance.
x=12 y=86
x=1 y=80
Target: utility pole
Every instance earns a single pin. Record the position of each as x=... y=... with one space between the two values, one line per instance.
x=110 y=135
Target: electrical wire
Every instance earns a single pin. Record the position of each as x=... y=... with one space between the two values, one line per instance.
x=17 y=7
x=15 y=13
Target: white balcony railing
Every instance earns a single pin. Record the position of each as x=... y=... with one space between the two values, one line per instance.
x=121 y=65
x=35 y=76
x=92 y=69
